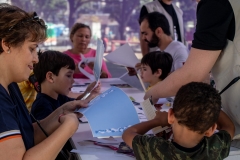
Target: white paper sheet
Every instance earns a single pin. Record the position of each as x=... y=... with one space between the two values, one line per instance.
x=149 y=111
x=123 y=56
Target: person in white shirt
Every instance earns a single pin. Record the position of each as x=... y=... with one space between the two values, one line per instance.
x=155 y=31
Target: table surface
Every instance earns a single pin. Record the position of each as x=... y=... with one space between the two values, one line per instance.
x=82 y=139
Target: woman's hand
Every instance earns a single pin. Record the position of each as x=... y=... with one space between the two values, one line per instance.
x=70 y=107
x=91 y=65
x=104 y=75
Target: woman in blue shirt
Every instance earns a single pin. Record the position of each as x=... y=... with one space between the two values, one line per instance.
x=20 y=34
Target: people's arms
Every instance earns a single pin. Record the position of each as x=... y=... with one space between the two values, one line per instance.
x=50 y=123
x=48 y=149
x=143 y=127
x=93 y=92
x=225 y=123
x=196 y=68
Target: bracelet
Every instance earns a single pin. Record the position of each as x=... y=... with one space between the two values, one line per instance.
x=60 y=117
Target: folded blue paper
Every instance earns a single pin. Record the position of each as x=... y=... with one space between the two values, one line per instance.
x=110 y=113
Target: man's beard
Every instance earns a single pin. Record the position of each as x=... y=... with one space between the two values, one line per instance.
x=153 y=42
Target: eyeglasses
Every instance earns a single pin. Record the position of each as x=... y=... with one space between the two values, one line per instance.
x=34 y=18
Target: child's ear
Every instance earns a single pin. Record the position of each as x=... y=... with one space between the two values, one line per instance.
x=158 y=73
x=171 y=117
x=49 y=77
x=211 y=130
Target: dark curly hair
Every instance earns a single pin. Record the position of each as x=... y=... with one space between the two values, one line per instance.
x=197 y=106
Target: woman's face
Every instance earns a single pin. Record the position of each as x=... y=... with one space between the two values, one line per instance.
x=22 y=59
x=81 y=39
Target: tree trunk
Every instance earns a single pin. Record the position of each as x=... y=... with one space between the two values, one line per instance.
x=72 y=9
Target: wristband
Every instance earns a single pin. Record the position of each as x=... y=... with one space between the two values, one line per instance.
x=60 y=117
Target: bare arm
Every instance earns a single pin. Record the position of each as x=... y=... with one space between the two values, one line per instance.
x=50 y=123
x=142 y=128
x=196 y=68
x=225 y=123
x=14 y=149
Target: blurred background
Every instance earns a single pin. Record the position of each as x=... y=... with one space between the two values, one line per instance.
x=114 y=21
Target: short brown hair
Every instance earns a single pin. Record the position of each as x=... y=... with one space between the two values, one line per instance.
x=197 y=106
x=76 y=27
x=16 y=26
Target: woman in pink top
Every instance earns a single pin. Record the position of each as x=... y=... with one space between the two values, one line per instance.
x=80 y=37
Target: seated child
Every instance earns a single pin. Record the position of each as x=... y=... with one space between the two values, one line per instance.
x=195 y=115
x=155 y=67
x=54 y=73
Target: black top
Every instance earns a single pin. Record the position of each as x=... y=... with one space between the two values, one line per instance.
x=170 y=10
x=44 y=105
x=215 y=24
x=14 y=117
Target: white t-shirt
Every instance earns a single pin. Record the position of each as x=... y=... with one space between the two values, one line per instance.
x=179 y=54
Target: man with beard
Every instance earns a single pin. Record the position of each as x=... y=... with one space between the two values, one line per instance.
x=174 y=16
x=155 y=31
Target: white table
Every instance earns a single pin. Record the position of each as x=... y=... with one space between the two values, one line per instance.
x=88 y=151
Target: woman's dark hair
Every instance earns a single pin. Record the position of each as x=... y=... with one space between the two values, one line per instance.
x=52 y=61
x=158 y=60
x=76 y=27
x=16 y=26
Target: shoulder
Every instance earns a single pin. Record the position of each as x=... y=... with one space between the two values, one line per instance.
x=221 y=140
x=176 y=47
x=146 y=147
x=91 y=52
x=40 y=101
x=177 y=9
x=215 y=24
x=63 y=99
x=221 y=136
x=218 y=145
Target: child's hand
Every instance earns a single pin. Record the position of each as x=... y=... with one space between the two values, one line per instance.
x=90 y=87
x=97 y=89
x=131 y=71
x=95 y=92
x=161 y=118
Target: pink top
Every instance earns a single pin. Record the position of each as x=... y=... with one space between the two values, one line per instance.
x=77 y=59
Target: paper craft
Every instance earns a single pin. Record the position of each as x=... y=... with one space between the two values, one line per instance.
x=149 y=111
x=123 y=56
x=97 y=62
x=110 y=113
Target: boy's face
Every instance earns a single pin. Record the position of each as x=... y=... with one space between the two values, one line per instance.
x=63 y=82
x=146 y=74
